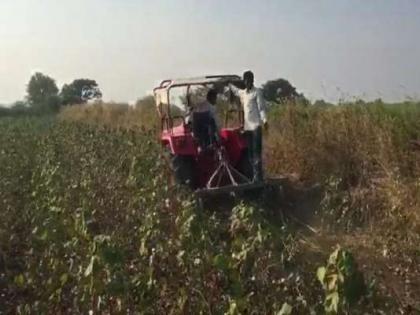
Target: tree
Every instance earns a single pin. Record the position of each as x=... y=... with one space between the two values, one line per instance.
x=19 y=107
x=4 y=111
x=80 y=91
x=146 y=104
x=42 y=93
x=322 y=104
x=279 y=90
x=146 y=109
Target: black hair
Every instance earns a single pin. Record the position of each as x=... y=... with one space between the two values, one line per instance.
x=248 y=74
x=211 y=94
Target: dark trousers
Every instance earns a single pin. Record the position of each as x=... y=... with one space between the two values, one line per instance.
x=204 y=128
x=254 y=141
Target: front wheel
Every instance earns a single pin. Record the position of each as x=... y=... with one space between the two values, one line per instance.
x=183 y=170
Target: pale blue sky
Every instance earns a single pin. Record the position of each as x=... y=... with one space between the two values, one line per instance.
x=326 y=48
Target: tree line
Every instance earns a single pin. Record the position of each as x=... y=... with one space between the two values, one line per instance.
x=44 y=96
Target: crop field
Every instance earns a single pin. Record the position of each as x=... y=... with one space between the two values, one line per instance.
x=91 y=222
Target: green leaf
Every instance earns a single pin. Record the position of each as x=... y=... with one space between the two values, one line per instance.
x=233 y=308
x=259 y=236
x=320 y=274
x=89 y=268
x=44 y=235
x=332 y=282
x=117 y=286
x=331 y=302
x=63 y=279
x=112 y=255
x=332 y=260
x=20 y=280
x=236 y=287
x=182 y=299
x=220 y=262
x=286 y=309
x=143 y=249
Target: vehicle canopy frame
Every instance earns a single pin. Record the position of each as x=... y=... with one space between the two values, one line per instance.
x=162 y=92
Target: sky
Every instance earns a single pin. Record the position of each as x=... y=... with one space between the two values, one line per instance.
x=328 y=49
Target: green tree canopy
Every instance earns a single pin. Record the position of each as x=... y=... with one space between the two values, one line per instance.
x=146 y=103
x=42 y=93
x=146 y=108
x=278 y=90
x=20 y=105
x=80 y=91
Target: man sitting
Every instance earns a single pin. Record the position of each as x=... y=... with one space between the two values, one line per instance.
x=205 y=126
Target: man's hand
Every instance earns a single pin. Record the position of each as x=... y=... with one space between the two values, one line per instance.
x=265 y=125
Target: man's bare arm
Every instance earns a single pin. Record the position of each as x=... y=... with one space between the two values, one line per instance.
x=262 y=107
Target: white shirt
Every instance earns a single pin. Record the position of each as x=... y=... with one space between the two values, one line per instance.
x=253 y=104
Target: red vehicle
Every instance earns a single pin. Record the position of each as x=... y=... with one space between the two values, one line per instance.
x=224 y=166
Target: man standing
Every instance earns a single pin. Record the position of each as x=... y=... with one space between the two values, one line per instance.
x=255 y=118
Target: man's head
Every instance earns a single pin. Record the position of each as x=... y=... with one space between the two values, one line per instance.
x=212 y=96
x=248 y=78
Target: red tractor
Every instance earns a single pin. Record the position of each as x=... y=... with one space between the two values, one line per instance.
x=223 y=167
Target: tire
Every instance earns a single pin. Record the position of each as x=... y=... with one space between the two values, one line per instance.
x=183 y=170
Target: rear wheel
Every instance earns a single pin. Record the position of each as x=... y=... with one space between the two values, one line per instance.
x=183 y=170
